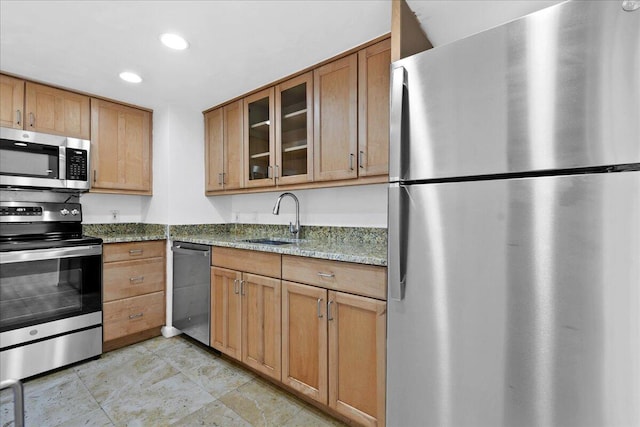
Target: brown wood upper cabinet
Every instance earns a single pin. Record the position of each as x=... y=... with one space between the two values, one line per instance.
x=39 y=108
x=259 y=139
x=11 y=102
x=328 y=126
x=336 y=119
x=352 y=115
x=294 y=130
x=224 y=130
x=120 y=148
x=278 y=134
x=373 y=109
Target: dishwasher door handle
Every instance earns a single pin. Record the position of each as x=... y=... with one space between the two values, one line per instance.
x=180 y=250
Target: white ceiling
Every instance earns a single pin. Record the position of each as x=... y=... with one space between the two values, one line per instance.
x=236 y=46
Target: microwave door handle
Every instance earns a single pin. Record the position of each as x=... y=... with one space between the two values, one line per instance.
x=62 y=162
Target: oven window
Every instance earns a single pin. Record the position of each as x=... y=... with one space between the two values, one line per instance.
x=34 y=292
x=28 y=159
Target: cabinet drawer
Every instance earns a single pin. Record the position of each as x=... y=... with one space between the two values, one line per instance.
x=131 y=278
x=361 y=279
x=131 y=315
x=263 y=263
x=133 y=250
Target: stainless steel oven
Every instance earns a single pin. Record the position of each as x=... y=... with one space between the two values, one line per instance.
x=50 y=289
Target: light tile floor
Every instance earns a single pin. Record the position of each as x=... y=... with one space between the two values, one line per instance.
x=159 y=382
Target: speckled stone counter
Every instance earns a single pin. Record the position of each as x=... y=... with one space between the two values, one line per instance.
x=351 y=244
x=125 y=232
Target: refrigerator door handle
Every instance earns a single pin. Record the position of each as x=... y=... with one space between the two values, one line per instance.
x=398 y=89
x=395 y=269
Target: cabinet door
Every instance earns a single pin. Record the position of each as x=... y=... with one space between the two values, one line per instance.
x=294 y=130
x=214 y=150
x=261 y=322
x=259 y=139
x=373 y=105
x=11 y=102
x=357 y=338
x=233 y=146
x=336 y=119
x=304 y=339
x=57 y=111
x=120 y=148
x=226 y=312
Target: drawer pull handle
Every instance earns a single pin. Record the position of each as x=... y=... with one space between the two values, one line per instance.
x=319 y=309
x=235 y=286
x=326 y=275
x=242 y=282
x=135 y=316
x=137 y=279
x=135 y=252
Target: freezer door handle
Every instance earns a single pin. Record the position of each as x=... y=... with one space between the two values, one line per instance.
x=396 y=244
x=398 y=88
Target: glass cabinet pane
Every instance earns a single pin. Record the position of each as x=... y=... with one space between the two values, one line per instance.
x=294 y=131
x=259 y=131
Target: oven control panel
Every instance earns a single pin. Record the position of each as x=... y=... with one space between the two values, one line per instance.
x=20 y=211
x=40 y=212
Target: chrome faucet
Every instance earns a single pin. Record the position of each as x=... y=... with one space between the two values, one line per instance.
x=293 y=229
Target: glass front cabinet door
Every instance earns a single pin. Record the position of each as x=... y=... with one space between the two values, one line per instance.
x=294 y=103
x=278 y=132
x=259 y=147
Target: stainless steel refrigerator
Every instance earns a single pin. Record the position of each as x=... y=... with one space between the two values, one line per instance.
x=514 y=225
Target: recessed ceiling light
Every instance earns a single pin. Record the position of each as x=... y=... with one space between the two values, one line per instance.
x=174 y=41
x=130 y=77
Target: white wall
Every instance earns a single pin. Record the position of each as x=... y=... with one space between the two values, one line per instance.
x=364 y=206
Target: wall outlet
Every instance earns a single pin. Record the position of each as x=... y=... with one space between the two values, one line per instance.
x=115 y=215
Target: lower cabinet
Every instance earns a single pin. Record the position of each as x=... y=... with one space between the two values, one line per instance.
x=321 y=330
x=245 y=309
x=333 y=350
x=133 y=292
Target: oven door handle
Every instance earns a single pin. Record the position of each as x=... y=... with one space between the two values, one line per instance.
x=51 y=253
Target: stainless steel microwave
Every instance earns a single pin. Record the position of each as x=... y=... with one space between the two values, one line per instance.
x=38 y=160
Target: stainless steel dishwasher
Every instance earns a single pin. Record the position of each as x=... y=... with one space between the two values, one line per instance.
x=191 y=289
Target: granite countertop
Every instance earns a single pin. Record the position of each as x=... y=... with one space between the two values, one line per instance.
x=350 y=244
x=125 y=232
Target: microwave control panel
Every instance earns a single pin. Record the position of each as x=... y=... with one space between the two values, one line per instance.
x=77 y=164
